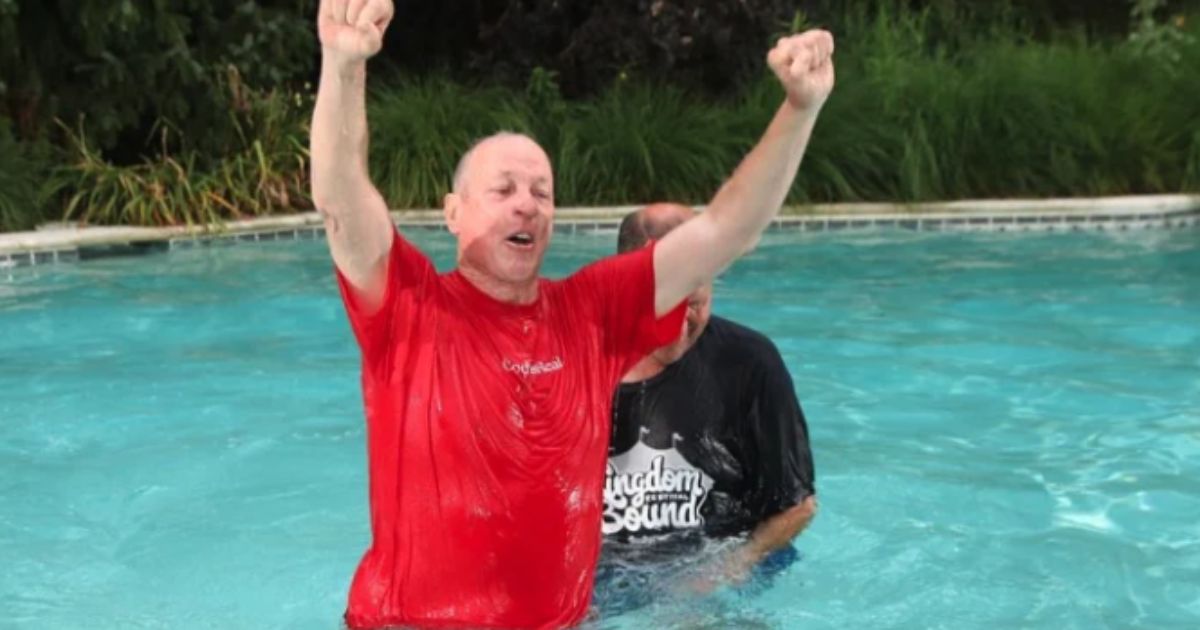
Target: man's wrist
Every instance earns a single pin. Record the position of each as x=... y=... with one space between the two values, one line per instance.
x=806 y=114
x=345 y=68
x=743 y=559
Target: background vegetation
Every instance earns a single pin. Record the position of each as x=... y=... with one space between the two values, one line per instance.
x=159 y=113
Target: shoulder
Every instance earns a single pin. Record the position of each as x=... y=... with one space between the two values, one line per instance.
x=742 y=351
x=617 y=264
x=607 y=278
x=733 y=340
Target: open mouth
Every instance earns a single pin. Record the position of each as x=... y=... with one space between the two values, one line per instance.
x=521 y=239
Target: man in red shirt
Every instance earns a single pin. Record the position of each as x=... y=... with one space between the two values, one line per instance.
x=488 y=389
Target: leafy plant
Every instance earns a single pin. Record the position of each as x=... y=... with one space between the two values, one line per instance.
x=26 y=183
x=266 y=174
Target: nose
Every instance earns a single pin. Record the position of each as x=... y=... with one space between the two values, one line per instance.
x=525 y=205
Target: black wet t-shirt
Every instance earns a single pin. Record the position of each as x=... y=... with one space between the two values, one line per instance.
x=717 y=442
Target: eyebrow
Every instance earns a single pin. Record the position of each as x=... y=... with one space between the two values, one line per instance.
x=537 y=180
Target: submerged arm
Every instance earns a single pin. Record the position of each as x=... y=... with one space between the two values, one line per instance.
x=773 y=534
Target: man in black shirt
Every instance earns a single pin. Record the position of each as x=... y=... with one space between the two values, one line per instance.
x=708 y=439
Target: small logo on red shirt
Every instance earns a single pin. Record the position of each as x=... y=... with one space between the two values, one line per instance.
x=532 y=368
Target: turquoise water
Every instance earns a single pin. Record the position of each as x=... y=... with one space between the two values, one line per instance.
x=1006 y=431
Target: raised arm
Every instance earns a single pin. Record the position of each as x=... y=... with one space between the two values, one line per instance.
x=698 y=250
x=357 y=224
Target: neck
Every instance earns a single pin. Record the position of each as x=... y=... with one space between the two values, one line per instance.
x=520 y=293
x=647 y=368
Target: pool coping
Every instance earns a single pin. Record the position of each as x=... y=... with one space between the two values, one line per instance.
x=66 y=243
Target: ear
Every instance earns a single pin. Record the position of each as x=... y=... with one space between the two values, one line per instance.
x=451 y=207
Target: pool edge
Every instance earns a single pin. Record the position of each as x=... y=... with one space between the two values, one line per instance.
x=55 y=244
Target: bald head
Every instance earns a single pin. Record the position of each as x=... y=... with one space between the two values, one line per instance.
x=650 y=224
x=497 y=141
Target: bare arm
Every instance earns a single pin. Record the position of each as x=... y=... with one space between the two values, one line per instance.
x=357 y=224
x=698 y=250
x=774 y=534
x=771 y=535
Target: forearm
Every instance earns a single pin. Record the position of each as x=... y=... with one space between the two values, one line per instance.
x=778 y=531
x=752 y=197
x=339 y=136
x=697 y=251
x=351 y=32
x=770 y=536
x=773 y=534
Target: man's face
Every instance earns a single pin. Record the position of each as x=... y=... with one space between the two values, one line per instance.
x=504 y=215
x=699 y=309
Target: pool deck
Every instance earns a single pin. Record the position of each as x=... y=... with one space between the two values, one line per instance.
x=65 y=243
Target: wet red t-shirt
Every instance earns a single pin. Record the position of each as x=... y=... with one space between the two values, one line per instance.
x=487 y=430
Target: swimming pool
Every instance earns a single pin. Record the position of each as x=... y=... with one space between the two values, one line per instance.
x=1006 y=432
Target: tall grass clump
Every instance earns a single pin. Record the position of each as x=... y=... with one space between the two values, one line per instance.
x=262 y=171
x=420 y=128
x=637 y=141
x=646 y=142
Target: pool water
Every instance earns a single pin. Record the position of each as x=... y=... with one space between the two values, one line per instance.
x=1006 y=432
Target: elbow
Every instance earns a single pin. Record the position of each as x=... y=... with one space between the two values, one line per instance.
x=326 y=185
x=328 y=208
x=795 y=519
x=321 y=201
x=336 y=193
x=319 y=192
x=803 y=511
x=732 y=238
x=751 y=244
x=328 y=200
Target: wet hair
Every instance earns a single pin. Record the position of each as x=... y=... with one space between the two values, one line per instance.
x=460 y=171
x=641 y=227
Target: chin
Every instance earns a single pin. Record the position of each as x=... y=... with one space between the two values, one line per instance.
x=523 y=269
x=520 y=273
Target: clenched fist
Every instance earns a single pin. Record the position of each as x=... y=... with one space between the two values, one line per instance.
x=804 y=65
x=352 y=30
